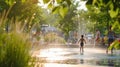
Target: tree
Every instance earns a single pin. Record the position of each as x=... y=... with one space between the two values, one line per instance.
x=108 y=12
x=61 y=7
x=3 y=5
x=22 y=10
x=100 y=19
x=67 y=23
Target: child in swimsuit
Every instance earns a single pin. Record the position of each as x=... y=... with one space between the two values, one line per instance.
x=82 y=41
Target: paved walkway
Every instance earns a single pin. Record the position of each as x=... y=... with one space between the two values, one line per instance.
x=69 y=56
x=70 y=65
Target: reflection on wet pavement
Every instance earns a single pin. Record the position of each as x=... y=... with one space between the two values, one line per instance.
x=72 y=56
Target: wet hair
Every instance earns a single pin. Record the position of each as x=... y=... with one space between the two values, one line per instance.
x=110 y=27
x=82 y=35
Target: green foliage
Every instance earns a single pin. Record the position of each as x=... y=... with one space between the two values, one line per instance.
x=114 y=13
x=23 y=13
x=116 y=27
x=61 y=7
x=58 y=1
x=46 y=1
x=67 y=23
x=3 y=5
x=115 y=45
x=112 y=6
x=14 y=41
x=61 y=10
x=14 y=50
x=107 y=13
x=21 y=9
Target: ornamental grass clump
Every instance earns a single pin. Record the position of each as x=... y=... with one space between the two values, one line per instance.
x=14 y=44
x=14 y=50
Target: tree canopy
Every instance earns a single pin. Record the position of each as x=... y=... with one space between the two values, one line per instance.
x=108 y=11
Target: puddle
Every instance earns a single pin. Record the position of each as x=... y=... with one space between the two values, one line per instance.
x=70 y=56
x=98 y=62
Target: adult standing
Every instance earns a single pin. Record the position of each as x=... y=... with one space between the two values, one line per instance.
x=97 y=37
x=111 y=38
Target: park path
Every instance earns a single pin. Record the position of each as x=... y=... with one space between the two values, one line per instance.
x=69 y=56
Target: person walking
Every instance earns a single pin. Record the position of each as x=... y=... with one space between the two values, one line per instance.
x=111 y=38
x=97 y=37
x=81 y=41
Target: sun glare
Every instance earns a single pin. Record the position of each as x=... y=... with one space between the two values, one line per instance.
x=80 y=7
x=50 y=54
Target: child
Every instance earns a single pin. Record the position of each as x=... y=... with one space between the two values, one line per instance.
x=82 y=41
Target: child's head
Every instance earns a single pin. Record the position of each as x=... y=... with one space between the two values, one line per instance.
x=110 y=28
x=97 y=30
x=82 y=36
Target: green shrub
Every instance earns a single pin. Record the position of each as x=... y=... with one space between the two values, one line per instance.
x=14 y=43
x=14 y=50
x=115 y=45
x=53 y=37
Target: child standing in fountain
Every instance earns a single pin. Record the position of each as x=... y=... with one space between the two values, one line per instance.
x=81 y=41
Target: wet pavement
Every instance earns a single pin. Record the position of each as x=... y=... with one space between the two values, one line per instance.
x=70 y=56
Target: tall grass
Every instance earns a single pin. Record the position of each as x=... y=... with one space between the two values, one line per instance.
x=14 y=50
x=14 y=45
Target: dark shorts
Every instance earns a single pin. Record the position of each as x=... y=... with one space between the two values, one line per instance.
x=81 y=44
x=110 y=41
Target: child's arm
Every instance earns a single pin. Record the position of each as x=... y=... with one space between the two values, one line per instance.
x=85 y=41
